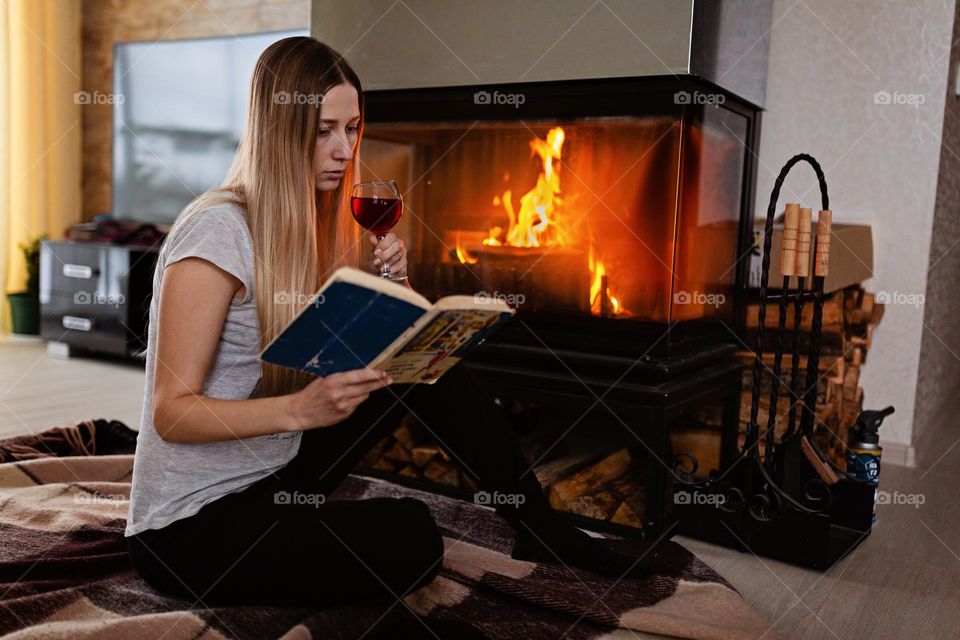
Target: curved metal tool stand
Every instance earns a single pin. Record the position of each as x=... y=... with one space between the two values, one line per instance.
x=786 y=499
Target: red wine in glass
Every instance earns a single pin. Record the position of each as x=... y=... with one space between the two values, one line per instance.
x=379 y=215
x=377 y=206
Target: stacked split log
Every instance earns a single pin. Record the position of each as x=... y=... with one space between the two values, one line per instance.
x=411 y=452
x=849 y=319
x=603 y=487
x=607 y=488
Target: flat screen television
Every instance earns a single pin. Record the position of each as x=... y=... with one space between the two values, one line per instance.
x=176 y=130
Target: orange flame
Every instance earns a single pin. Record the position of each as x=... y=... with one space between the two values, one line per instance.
x=462 y=255
x=596 y=289
x=537 y=223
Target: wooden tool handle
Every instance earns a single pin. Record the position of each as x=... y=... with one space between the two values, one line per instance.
x=823 y=470
x=804 y=238
x=821 y=265
x=788 y=252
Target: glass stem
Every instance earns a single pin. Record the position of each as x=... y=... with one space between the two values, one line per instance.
x=384 y=269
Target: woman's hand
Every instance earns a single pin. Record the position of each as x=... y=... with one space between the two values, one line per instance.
x=327 y=401
x=390 y=251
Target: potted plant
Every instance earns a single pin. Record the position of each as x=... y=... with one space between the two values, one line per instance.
x=25 y=305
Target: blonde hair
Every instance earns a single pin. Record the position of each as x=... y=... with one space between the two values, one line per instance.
x=300 y=235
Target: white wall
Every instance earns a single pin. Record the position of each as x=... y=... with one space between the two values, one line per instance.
x=828 y=61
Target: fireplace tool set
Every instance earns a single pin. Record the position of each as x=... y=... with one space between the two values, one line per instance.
x=784 y=497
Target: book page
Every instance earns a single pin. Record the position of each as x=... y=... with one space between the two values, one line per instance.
x=441 y=343
x=471 y=302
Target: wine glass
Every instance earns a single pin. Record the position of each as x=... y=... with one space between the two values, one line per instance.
x=377 y=206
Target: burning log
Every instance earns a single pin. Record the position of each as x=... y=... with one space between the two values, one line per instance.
x=605 y=306
x=549 y=278
x=537 y=254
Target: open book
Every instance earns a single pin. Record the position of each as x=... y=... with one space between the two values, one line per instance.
x=358 y=319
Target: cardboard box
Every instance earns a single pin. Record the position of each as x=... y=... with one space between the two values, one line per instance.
x=851 y=257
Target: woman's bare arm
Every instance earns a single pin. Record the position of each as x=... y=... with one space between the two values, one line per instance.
x=193 y=305
x=194 y=299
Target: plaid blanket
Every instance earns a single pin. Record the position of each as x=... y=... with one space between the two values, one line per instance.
x=64 y=573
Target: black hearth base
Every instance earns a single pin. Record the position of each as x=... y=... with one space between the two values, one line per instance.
x=813 y=540
x=644 y=396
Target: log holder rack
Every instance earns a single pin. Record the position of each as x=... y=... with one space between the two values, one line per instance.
x=790 y=502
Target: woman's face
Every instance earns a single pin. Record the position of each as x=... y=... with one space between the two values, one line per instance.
x=337 y=139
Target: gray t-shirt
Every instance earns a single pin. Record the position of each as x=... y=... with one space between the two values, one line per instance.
x=172 y=480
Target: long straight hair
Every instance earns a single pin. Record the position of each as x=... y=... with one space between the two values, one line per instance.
x=299 y=234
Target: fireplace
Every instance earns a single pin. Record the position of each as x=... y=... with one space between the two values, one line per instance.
x=604 y=209
x=595 y=167
x=611 y=213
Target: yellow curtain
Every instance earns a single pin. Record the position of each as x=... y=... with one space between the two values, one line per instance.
x=39 y=129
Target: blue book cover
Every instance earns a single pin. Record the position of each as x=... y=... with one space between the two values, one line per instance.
x=358 y=320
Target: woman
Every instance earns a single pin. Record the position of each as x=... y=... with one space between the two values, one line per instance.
x=235 y=457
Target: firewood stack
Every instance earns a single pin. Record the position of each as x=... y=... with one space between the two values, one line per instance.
x=410 y=451
x=849 y=318
x=604 y=487
x=607 y=488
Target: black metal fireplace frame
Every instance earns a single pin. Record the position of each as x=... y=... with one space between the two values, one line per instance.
x=647 y=374
x=601 y=97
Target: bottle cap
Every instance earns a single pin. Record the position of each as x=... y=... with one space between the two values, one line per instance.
x=868 y=423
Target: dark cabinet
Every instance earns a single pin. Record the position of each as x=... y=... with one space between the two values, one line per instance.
x=95 y=296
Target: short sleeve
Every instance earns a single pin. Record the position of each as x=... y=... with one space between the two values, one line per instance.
x=219 y=235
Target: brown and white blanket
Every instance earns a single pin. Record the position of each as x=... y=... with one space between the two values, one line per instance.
x=64 y=573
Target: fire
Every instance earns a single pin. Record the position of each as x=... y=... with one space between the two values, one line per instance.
x=463 y=256
x=598 y=290
x=537 y=224
x=540 y=223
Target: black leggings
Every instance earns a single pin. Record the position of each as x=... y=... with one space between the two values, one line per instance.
x=245 y=548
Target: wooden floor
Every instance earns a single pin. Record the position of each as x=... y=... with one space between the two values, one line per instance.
x=38 y=391
x=900 y=583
